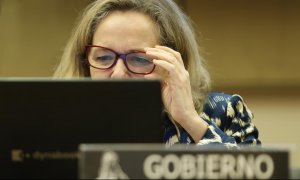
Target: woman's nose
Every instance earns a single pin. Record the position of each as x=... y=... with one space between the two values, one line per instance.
x=119 y=70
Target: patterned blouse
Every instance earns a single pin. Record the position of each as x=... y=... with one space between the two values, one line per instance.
x=229 y=122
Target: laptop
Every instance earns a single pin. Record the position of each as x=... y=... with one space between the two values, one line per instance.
x=44 y=121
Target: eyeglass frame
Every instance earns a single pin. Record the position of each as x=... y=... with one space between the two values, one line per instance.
x=118 y=56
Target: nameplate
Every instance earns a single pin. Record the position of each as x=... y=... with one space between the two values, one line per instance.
x=144 y=161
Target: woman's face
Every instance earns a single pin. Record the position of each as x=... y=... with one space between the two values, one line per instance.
x=124 y=32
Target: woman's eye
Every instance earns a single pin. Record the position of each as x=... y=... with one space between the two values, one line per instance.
x=104 y=58
x=141 y=60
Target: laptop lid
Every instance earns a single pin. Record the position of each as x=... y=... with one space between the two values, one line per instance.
x=44 y=121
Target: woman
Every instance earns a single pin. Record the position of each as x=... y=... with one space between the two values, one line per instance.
x=154 y=39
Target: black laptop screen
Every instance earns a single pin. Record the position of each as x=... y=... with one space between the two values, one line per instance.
x=44 y=121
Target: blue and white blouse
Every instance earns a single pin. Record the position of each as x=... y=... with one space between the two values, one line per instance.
x=229 y=122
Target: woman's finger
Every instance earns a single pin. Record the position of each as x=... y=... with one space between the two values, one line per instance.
x=165 y=65
x=163 y=56
x=172 y=51
x=164 y=53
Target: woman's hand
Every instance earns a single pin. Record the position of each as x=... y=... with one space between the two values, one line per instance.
x=176 y=89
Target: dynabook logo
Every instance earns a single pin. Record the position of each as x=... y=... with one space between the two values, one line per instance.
x=191 y=166
x=19 y=155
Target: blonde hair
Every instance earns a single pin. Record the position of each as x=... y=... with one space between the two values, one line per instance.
x=175 y=29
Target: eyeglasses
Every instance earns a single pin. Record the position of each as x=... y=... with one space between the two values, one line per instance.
x=136 y=62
